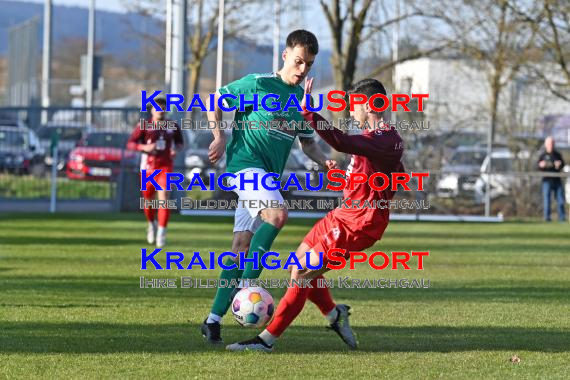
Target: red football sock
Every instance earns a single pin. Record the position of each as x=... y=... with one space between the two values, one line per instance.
x=163 y=216
x=289 y=307
x=321 y=296
x=149 y=213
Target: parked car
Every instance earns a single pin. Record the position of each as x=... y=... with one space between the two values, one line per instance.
x=11 y=119
x=100 y=156
x=67 y=134
x=429 y=150
x=20 y=151
x=501 y=183
x=196 y=156
x=460 y=173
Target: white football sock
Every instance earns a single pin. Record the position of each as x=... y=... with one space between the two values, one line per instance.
x=214 y=318
x=243 y=283
x=267 y=337
x=332 y=315
x=151 y=232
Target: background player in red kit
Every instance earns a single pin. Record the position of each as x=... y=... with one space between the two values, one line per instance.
x=378 y=149
x=159 y=147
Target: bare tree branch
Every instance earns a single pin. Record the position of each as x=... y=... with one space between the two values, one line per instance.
x=424 y=53
x=376 y=28
x=550 y=84
x=556 y=42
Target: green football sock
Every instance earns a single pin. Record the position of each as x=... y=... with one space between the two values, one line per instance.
x=261 y=242
x=222 y=300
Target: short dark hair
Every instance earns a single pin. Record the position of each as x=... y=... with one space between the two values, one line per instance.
x=303 y=38
x=159 y=100
x=369 y=87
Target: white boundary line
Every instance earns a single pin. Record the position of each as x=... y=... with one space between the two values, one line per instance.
x=401 y=217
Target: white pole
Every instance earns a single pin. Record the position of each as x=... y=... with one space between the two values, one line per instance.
x=276 y=34
x=489 y=169
x=178 y=48
x=90 y=60
x=53 y=195
x=168 y=52
x=395 y=38
x=220 y=57
x=46 y=59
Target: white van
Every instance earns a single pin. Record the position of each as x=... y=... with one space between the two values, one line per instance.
x=503 y=165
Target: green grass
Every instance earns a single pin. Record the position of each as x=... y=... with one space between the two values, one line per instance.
x=30 y=187
x=71 y=306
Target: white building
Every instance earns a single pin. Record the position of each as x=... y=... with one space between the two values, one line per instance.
x=460 y=96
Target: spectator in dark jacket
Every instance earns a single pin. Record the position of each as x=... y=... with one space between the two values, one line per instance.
x=551 y=161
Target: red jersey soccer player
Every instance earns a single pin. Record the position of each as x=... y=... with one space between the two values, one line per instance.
x=378 y=149
x=158 y=146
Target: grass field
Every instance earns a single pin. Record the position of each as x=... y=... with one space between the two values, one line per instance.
x=30 y=187
x=71 y=306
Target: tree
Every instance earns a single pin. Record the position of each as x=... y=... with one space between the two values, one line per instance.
x=489 y=33
x=553 y=21
x=352 y=23
x=346 y=36
x=66 y=67
x=203 y=28
x=144 y=67
x=557 y=15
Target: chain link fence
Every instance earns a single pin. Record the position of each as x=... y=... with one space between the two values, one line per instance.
x=74 y=155
x=76 y=159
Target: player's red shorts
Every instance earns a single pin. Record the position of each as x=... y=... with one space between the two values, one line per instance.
x=330 y=233
x=160 y=180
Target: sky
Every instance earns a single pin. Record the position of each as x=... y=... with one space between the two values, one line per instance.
x=308 y=19
x=307 y=16
x=108 y=5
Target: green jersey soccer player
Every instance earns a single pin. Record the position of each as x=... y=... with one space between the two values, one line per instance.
x=258 y=151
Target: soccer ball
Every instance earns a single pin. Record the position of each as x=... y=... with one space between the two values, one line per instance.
x=253 y=307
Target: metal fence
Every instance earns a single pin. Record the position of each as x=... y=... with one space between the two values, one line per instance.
x=76 y=159
x=72 y=156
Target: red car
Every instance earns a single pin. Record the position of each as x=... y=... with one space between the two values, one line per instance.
x=98 y=156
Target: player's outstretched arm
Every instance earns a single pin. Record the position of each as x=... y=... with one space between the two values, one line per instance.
x=363 y=145
x=218 y=146
x=314 y=152
x=360 y=144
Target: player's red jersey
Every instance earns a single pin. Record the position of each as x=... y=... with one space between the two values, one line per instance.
x=375 y=151
x=165 y=140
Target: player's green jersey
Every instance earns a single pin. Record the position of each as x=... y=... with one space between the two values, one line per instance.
x=260 y=147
